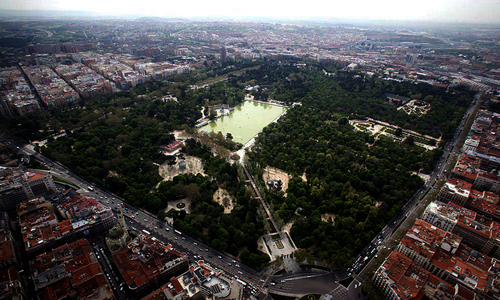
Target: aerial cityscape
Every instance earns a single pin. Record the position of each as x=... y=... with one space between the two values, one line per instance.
x=226 y=150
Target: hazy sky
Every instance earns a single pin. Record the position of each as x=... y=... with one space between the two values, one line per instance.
x=476 y=11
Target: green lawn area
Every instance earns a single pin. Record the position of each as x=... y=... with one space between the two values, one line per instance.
x=64 y=181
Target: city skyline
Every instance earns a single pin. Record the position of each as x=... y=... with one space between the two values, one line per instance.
x=446 y=11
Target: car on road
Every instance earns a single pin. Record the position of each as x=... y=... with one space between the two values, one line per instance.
x=220 y=257
x=239 y=272
x=249 y=277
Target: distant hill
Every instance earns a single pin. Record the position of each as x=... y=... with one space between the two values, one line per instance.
x=50 y=14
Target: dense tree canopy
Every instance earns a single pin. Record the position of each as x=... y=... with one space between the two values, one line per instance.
x=363 y=180
x=358 y=96
x=232 y=232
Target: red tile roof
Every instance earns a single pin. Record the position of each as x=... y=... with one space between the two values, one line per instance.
x=143 y=259
x=84 y=274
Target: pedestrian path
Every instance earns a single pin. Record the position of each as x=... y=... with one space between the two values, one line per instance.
x=338 y=293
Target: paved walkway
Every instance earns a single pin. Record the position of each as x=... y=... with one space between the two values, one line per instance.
x=261 y=200
x=339 y=293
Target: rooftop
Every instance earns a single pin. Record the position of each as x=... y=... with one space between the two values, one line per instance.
x=476 y=223
x=457 y=186
x=467 y=265
x=6 y=246
x=145 y=258
x=467 y=166
x=449 y=211
x=395 y=266
x=424 y=239
x=71 y=269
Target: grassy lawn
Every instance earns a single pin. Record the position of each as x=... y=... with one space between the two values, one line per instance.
x=64 y=181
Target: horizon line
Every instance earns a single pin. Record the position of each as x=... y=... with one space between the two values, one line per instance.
x=61 y=13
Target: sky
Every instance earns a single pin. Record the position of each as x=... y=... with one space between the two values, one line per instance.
x=462 y=11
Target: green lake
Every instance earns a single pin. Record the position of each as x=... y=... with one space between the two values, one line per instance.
x=246 y=120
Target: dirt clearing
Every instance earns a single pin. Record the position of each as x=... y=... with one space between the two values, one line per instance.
x=222 y=197
x=193 y=166
x=275 y=174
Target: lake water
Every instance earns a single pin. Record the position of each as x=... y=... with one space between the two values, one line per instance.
x=246 y=120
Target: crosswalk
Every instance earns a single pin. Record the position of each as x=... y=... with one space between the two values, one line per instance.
x=338 y=293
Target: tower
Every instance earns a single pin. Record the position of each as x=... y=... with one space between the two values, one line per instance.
x=118 y=236
x=121 y=219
